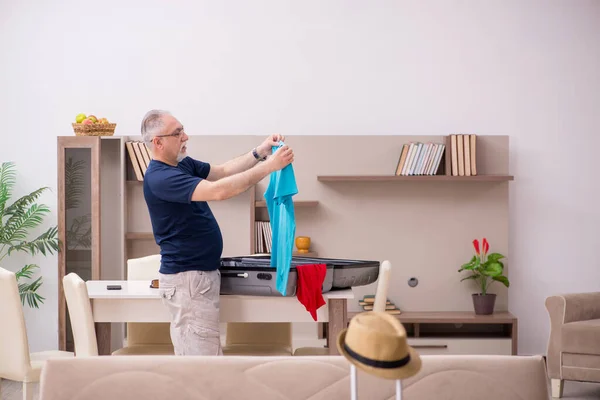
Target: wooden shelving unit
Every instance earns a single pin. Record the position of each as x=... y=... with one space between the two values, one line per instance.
x=139 y=236
x=328 y=181
x=441 y=330
x=420 y=178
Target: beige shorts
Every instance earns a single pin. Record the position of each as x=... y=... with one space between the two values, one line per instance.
x=192 y=298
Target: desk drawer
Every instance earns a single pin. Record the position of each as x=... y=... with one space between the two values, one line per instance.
x=488 y=346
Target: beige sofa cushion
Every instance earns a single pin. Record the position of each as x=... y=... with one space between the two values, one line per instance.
x=288 y=378
x=581 y=337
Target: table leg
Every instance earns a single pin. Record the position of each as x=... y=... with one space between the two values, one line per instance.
x=103 y=338
x=338 y=320
x=515 y=337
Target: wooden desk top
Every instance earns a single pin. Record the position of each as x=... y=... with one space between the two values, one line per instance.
x=142 y=290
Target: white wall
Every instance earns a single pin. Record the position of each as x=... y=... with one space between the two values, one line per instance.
x=528 y=69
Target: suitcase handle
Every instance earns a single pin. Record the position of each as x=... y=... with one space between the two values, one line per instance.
x=234 y=275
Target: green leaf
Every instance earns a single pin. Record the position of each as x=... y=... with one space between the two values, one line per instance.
x=46 y=242
x=18 y=224
x=26 y=271
x=22 y=203
x=493 y=257
x=8 y=179
x=469 y=277
x=467 y=266
x=470 y=265
x=503 y=279
x=28 y=293
x=492 y=269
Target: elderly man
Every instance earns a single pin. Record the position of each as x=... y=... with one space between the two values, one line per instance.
x=176 y=189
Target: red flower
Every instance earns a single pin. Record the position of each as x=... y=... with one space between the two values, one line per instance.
x=476 y=245
x=486 y=246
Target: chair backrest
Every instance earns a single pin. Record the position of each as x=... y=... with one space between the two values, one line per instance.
x=259 y=333
x=14 y=346
x=146 y=269
x=143 y=268
x=80 y=314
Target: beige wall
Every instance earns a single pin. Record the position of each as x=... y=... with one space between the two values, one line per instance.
x=424 y=228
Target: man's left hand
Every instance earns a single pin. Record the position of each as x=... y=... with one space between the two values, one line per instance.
x=264 y=149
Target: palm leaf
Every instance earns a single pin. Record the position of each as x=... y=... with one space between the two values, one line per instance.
x=28 y=293
x=8 y=179
x=4 y=196
x=24 y=201
x=17 y=225
x=46 y=242
x=26 y=271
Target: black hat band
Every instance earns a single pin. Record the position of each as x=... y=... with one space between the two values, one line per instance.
x=377 y=363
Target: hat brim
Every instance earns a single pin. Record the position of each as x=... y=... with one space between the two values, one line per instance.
x=406 y=371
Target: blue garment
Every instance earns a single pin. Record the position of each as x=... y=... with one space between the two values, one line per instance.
x=278 y=196
x=186 y=231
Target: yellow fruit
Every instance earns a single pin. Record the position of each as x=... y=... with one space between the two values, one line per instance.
x=79 y=118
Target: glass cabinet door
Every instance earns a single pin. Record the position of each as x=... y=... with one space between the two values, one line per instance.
x=78 y=186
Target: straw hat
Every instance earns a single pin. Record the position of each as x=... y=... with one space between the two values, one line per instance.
x=376 y=343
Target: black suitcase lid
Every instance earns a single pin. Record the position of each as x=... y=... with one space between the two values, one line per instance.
x=263 y=263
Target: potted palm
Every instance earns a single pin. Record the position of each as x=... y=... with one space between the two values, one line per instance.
x=16 y=222
x=484 y=269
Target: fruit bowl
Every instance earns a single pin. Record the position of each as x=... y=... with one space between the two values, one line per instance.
x=94 y=129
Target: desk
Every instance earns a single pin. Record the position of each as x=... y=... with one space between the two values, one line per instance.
x=138 y=302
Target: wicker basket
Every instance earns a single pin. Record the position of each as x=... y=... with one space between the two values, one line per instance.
x=94 y=129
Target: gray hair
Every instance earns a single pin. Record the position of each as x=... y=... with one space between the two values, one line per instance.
x=152 y=125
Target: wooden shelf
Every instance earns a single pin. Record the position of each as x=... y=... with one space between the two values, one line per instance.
x=139 y=236
x=422 y=178
x=451 y=317
x=298 y=203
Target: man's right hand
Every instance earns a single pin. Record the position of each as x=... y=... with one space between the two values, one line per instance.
x=235 y=184
x=281 y=158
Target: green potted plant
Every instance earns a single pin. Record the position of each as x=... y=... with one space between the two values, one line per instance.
x=484 y=269
x=16 y=222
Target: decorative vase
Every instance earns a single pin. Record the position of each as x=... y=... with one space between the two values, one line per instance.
x=303 y=244
x=484 y=303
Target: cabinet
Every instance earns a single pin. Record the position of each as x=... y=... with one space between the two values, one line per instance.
x=460 y=332
x=90 y=216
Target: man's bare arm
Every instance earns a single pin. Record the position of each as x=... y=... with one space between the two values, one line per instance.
x=232 y=167
x=245 y=161
x=233 y=185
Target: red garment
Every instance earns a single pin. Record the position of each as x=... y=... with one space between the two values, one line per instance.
x=310 y=284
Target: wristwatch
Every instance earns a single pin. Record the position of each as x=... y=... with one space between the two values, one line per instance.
x=257 y=156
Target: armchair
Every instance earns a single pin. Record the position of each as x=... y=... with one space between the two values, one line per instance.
x=574 y=342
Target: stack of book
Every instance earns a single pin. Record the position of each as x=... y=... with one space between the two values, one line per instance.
x=264 y=238
x=463 y=152
x=418 y=158
x=369 y=300
x=139 y=157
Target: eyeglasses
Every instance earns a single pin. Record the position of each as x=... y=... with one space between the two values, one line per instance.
x=175 y=135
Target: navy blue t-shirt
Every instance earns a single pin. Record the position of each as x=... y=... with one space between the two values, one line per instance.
x=186 y=231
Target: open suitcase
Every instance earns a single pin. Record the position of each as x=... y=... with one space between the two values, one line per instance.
x=253 y=275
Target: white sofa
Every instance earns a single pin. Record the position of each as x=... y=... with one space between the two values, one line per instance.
x=288 y=378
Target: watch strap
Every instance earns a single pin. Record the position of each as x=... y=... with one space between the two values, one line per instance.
x=256 y=155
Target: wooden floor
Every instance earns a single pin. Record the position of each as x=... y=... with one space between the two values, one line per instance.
x=572 y=391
